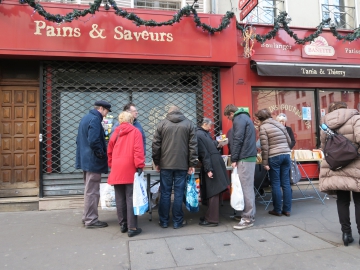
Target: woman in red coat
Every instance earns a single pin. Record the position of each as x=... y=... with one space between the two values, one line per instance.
x=125 y=157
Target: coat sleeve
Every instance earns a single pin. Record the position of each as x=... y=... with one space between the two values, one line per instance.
x=292 y=137
x=357 y=130
x=139 y=158
x=94 y=138
x=156 y=145
x=111 y=146
x=264 y=140
x=239 y=128
x=204 y=156
x=193 y=151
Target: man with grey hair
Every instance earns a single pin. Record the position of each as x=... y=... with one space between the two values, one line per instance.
x=174 y=153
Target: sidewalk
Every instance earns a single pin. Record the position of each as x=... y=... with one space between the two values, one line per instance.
x=309 y=239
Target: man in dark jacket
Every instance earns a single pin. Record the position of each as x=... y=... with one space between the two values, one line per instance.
x=243 y=156
x=91 y=157
x=174 y=152
x=130 y=107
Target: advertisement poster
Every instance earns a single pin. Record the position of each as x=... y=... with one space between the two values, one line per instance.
x=306 y=113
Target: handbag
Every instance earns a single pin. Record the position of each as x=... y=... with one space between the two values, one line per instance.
x=339 y=151
x=191 y=194
x=236 y=193
x=140 y=198
x=295 y=175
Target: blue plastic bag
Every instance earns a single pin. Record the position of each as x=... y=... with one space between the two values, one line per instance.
x=191 y=194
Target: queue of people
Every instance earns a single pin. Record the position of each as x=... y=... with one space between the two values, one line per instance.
x=178 y=146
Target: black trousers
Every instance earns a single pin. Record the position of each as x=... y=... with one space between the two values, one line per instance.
x=124 y=205
x=343 y=206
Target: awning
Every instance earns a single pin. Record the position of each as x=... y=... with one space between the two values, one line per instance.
x=306 y=70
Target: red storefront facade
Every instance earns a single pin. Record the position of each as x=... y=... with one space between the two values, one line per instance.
x=43 y=66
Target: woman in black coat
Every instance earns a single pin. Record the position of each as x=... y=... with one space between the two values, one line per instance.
x=214 y=177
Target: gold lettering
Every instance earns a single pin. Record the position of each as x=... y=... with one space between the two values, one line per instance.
x=77 y=32
x=39 y=26
x=65 y=29
x=169 y=37
x=152 y=36
x=145 y=35
x=127 y=35
x=137 y=35
x=50 y=31
x=118 y=30
x=162 y=36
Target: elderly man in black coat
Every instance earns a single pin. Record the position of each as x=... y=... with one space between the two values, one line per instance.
x=214 y=177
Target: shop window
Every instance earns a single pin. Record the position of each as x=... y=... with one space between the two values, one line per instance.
x=265 y=11
x=284 y=101
x=323 y=102
x=341 y=12
x=154 y=4
x=300 y=124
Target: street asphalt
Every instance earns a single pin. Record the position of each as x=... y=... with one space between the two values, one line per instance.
x=309 y=239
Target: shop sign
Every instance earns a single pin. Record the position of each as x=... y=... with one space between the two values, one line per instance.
x=242 y=3
x=319 y=48
x=248 y=8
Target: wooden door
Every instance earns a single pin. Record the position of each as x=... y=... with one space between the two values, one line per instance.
x=19 y=142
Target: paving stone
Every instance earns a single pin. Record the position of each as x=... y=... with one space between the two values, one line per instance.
x=264 y=242
x=191 y=250
x=298 y=238
x=150 y=254
x=229 y=247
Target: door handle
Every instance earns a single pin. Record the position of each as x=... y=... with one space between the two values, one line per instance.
x=40 y=137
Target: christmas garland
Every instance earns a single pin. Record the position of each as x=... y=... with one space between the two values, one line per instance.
x=281 y=21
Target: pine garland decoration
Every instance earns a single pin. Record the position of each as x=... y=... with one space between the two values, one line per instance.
x=281 y=21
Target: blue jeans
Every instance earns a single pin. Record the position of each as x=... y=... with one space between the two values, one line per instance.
x=168 y=178
x=280 y=176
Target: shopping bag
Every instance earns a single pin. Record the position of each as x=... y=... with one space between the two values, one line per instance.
x=236 y=193
x=295 y=175
x=107 y=197
x=191 y=194
x=140 y=198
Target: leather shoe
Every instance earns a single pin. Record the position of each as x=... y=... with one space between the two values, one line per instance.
x=97 y=224
x=132 y=233
x=202 y=219
x=184 y=223
x=286 y=213
x=272 y=212
x=123 y=228
x=208 y=224
x=163 y=225
x=347 y=238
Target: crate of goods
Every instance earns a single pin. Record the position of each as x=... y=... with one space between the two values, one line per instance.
x=311 y=169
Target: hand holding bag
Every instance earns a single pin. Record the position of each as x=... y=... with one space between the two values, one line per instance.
x=191 y=194
x=140 y=198
x=236 y=193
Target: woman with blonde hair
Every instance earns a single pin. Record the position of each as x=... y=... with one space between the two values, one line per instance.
x=345 y=181
x=283 y=119
x=125 y=158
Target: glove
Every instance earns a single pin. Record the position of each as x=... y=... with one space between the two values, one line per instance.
x=139 y=171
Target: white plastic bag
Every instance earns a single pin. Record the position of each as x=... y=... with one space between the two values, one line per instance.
x=140 y=198
x=107 y=197
x=237 y=196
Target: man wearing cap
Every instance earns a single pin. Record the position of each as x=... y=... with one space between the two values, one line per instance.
x=91 y=157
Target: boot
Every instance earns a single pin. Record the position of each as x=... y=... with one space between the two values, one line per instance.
x=347 y=238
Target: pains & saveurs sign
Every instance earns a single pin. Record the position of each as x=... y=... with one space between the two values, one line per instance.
x=108 y=36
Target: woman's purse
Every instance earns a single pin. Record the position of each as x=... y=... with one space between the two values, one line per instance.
x=295 y=175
